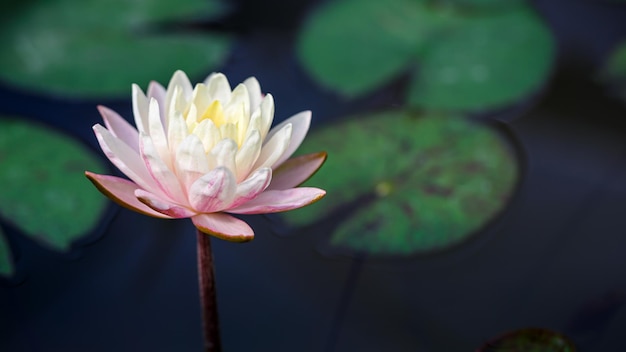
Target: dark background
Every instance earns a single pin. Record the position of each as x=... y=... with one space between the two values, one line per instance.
x=554 y=260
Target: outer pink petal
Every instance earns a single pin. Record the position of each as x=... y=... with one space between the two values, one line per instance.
x=300 y=124
x=223 y=226
x=214 y=191
x=295 y=171
x=252 y=186
x=278 y=201
x=123 y=157
x=119 y=127
x=162 y=205
x=122 y=192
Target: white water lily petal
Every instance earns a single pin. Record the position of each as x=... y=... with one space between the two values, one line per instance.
x=156 y=91
x=300 y=123
x=191 y=160
x=140 y=109
x=239 y=105
x=254 y=91
x=274 y=148
x=168 y=184
x=176 y=132
x=162 y=206
x=248 y=154
x=224 y=154
x=208 y=134
x=180 y=87
x=218 y=87
x=267 y=115
x=157 y=133
x=252 y=186
x=214 y=191
x=119 y=127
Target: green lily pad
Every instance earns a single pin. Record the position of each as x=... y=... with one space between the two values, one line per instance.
x=614 y=72
x=44 y=191
x=419 y=183
x=463 y=54
x=96 y=47
x=530 y=340
x=6 y=261
x=486 y=62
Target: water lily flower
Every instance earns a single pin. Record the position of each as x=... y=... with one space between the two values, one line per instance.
x=205 y=151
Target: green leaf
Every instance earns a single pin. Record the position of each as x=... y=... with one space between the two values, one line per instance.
x=420 y=183
x=6 y=261
x=44 y=190
x=354 y=46
x=614 y=72
x=530 y=340
x=462 y=54
x=487 y=62
x=99 y=47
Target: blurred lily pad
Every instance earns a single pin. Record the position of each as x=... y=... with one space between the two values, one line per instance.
x=530 y=340
x=462 y=54
x=44 y=192
x=416 y=183
x=614 y=72
x=6 y=261
x=96 y=47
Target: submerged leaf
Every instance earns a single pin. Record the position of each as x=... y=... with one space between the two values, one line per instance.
x=530 y=340
x=427 y=182
x=95 y=47
x=44 y=192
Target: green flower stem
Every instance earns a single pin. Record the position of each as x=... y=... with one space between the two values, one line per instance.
x=208 y=298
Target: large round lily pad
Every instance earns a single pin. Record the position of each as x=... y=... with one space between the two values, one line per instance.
x=44 y=191
x=530 y=340
x=465 y=55
x=417 y=183
x=487 y=61
x=96 y=47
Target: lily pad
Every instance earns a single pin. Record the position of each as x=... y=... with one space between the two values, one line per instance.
x=487 y=61
x=6 y=260
x=530 y=340
x=462 y=54
x=44 y=192
x=96 y=47
x=614 y=72
x=416 y=183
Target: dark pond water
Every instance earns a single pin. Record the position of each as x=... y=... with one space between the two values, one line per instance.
x=553 y=260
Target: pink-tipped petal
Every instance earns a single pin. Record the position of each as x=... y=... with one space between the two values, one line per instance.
x=252 y=186
x=214 y=191
x=163 y=206
x=119 y=127
x=300 y=123
x=223 y=226
x=122 y=192
x=123 y=157
x=278 y=201
x=295 y=171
